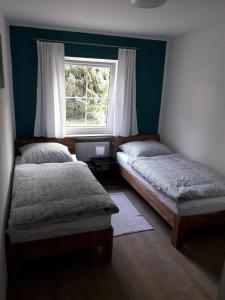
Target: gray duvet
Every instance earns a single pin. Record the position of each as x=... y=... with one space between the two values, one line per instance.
x=178 y=177
x=53 y=193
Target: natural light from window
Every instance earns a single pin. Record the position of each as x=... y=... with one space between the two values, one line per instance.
x=89 y=92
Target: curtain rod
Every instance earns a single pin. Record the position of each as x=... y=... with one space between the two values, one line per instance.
x=89 y=44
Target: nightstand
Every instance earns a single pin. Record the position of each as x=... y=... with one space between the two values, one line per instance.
x=104 y=169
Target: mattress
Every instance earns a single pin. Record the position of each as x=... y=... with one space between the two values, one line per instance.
x=181 y=208
x=88 y=224
x=63 y=229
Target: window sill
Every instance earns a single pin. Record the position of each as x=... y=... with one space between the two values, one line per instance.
x=98 y=135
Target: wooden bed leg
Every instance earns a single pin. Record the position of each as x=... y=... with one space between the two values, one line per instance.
x=178 y=232
x=107 y=247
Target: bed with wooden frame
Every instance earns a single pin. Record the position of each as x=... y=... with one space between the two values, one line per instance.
x=180 y=224
x=17 y=252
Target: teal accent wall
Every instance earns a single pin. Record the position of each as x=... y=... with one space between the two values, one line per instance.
x=149 y=65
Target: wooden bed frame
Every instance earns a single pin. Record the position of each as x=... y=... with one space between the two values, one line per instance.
x=180 y=224
x=17 y=252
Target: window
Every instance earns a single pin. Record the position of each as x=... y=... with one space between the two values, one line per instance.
x=89 y=87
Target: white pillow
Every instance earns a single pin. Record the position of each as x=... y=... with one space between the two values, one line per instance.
x=145 y=148
x=39 y=153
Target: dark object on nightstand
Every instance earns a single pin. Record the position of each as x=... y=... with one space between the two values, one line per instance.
x=104 y=169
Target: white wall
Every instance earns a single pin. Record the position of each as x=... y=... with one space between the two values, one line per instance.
x=6 y=150
x=192 y=119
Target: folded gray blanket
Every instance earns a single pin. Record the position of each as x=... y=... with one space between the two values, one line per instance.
x=179 y=177
x=53 y=193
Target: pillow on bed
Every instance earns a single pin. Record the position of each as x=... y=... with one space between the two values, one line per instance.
x=145 y=148
x=39 y=153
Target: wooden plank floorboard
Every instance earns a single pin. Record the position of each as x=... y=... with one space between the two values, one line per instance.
x=145 y=266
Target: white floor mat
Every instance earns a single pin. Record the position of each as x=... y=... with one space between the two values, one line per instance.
x=129 y=219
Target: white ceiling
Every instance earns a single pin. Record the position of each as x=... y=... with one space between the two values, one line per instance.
x=116 y=16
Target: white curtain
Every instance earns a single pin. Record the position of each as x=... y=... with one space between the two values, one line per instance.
x=125 y=98
x=50 y=107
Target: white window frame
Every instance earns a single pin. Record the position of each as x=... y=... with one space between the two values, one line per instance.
x=109 y=129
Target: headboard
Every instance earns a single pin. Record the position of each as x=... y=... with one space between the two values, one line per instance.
x=67 y=141
x=118 y=140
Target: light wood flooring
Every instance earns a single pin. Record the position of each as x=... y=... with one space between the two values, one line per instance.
x=145 y=266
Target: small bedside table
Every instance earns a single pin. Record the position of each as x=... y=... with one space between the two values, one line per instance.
x=102 y=166
x=101 y=162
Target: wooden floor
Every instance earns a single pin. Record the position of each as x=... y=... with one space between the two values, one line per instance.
x=145 y=266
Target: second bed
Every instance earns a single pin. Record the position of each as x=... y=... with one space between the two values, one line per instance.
x=182 y=215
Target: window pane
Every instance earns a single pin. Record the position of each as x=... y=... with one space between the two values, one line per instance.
x=88 y=93
x=98 y=81
x=75 y=112
x=75 y=80
x=97 y=110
